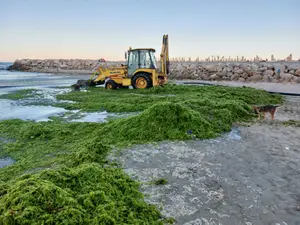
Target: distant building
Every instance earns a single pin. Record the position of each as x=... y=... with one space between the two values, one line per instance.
x=272 y=58
x=289 y=58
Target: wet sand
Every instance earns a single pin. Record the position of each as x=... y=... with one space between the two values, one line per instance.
x=249 y=176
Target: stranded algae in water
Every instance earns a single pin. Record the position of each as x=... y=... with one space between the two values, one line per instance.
x=62 y=176
x=21 y=94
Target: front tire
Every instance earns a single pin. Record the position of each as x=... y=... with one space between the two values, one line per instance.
x=141 y=81
x=110 y=84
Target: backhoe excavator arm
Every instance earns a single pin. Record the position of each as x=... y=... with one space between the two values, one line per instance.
x=164 y=56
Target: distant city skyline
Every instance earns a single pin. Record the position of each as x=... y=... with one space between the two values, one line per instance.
x=236 y=58
x=65 y=29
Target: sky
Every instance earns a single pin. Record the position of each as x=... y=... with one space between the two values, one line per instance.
x=94 y=29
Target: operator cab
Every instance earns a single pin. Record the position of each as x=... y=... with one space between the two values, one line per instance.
x=141 y=58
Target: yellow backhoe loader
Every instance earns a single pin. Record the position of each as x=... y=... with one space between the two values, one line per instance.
x=141 y=70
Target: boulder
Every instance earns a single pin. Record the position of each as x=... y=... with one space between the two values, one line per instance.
x=63 y=66
x=297 y=73
x=235 y=77
x=56 y=61
x=286 y=77
x=276 y=77
x=257 y=73
x=291 y=71
x=268 y=72
x=194 y=74
x=246 y=68
x=204 y=77
x=263 y=69
x=229 y=68
x=238 y=71
x=220 y=67
x=193 y=66
x=214 y=77
x=255 y=78
x=222 y=73
x=211 y=68
x=266 y=78
x=244 y=75
x=229 y=74
x=254 y=67
x=296 y=79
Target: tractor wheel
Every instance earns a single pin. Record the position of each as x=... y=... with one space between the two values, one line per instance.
x=141 y=81
x=110 y=84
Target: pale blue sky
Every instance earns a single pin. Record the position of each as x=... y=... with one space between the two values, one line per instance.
x=92 y=29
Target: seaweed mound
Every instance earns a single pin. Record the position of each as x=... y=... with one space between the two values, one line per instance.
x=203 y=118
x=87 y=194
x=221 y=114
x=84 y=189
x=162 y=121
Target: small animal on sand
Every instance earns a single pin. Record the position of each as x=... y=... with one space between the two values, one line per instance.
x=266 y=108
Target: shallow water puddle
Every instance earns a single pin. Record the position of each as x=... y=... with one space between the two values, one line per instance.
x=97 y=116
x=234 y=134
x=92 y=117
x=51 y=92
x=26 y=110
x=10 y=110
x=38 y=107
x=6 y=162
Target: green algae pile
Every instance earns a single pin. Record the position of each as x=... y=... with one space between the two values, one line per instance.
x=294 y=123
x=62 y=175
x=128 y=100
x=21 y=94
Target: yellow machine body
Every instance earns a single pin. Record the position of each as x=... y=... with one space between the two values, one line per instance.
x=140 y=72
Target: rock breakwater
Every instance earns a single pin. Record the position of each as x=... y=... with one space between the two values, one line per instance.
x=73 y=66
x=218 y=71
x=234 y=71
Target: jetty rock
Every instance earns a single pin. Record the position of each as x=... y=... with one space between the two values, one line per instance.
x=278 y=72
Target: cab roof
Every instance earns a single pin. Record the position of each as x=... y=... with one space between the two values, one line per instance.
x=148 y=49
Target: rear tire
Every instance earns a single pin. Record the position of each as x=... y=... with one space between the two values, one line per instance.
x=141 y=81
x=110 y=84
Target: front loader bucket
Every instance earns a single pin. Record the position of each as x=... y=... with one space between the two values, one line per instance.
x=83 y=83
